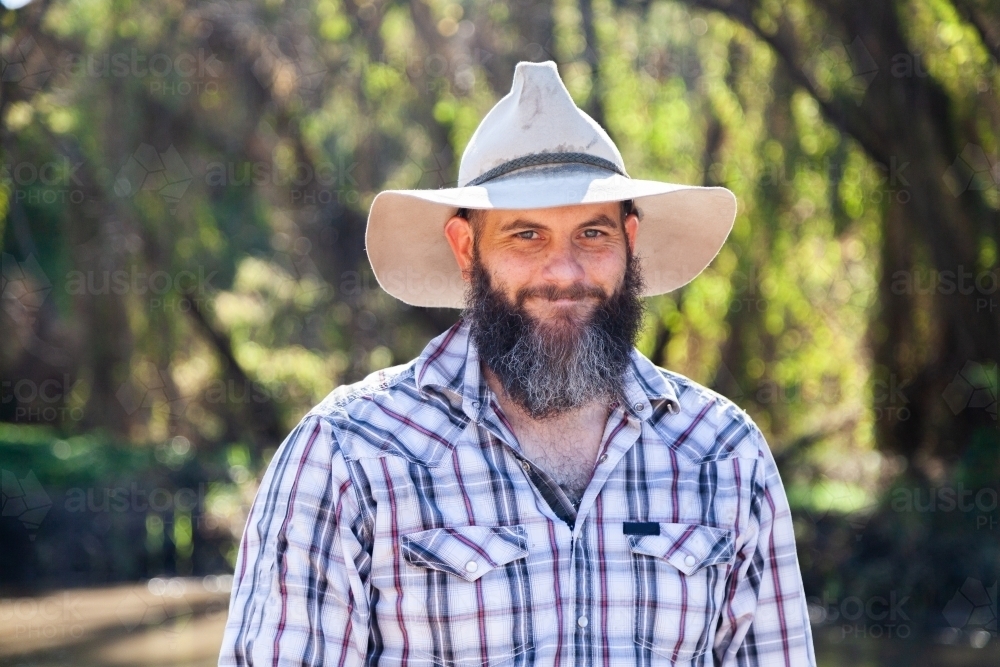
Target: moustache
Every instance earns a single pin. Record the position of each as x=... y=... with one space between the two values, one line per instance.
x=574 y=292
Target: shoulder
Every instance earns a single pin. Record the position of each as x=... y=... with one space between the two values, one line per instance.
x=382 y=381
x=710 y=425
x=386 y=413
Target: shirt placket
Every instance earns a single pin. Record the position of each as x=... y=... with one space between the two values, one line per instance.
x=621 y=432
x=587 y=576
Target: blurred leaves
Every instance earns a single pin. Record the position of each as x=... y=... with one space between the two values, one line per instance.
x=185 y=187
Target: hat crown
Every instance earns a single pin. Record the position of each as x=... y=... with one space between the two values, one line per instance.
x=538 y=115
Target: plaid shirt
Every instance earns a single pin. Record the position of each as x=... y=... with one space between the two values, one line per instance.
x=399 y=524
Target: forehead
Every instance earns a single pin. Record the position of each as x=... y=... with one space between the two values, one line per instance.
x=554 y=217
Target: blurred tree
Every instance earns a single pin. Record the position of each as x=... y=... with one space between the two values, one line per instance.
x=184 y=193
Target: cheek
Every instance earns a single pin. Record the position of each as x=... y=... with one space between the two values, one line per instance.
x=606 y=268
x=513 y=270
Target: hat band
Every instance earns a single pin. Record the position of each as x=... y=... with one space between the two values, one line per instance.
x=535 y=159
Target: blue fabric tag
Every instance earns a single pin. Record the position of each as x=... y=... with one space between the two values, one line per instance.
x=641 y=528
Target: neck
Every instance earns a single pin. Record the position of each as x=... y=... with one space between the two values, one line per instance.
x=564 y=445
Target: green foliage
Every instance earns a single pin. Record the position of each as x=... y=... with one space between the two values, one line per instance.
x=232 y=151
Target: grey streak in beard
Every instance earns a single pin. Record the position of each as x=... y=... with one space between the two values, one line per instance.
x=557 y=372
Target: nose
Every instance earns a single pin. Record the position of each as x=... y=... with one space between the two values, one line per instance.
x=562 y=266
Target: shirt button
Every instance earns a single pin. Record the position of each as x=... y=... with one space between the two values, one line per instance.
x=475 y=404
x=582 y=621
x=472 y=566
x=689 y=561
x=640 y=407
x=603 y=458
x=526 y=466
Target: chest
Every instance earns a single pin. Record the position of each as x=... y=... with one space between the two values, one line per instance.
x=471 y=567
x=565 y=449
x=567 y=457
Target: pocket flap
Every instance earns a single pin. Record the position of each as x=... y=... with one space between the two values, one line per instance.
x=687 y=546
x=468 y=552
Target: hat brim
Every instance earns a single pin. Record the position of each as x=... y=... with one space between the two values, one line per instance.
x=682 y=227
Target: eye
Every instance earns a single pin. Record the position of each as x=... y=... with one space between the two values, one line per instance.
x=592 y=233
x=526 y=234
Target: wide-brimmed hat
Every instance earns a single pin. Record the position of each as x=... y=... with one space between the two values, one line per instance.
x=537 y=149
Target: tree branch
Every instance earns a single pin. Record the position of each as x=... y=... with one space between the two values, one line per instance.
x=784 y=46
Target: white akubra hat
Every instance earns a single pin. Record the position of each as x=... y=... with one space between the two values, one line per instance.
x=537 y=149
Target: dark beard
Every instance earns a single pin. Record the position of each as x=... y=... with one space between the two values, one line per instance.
x=550 y=367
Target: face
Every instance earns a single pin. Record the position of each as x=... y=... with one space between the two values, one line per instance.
x=562 y=335
x=556 y=262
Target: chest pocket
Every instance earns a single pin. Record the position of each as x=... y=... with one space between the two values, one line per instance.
x=679 y=585
x=465 y=598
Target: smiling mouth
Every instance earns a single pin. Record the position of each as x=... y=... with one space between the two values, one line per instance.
x=563 y=300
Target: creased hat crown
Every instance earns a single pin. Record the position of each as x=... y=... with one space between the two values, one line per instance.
x=538 y=115
x=535 y=149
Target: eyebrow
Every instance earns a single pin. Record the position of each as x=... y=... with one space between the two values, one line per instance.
x=520 y=223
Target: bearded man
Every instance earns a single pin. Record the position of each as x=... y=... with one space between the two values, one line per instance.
x=531 y=490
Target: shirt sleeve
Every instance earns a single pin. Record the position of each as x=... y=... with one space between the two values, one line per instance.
x=300 y=588
x=764 y=620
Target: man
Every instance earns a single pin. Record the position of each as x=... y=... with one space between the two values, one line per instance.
x=531 y=490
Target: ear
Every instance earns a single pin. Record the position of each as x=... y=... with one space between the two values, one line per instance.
x=458 y=232
x=632 y=229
